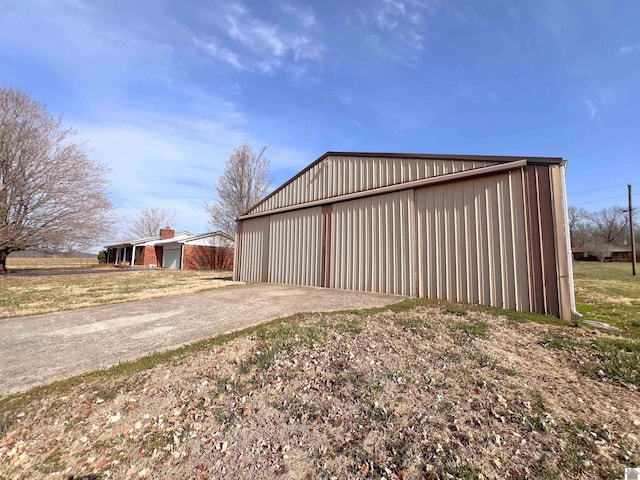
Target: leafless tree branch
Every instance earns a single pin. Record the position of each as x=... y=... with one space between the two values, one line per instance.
x=245 y=181
x=610 y=225
x=150 y=221
x=53 y=197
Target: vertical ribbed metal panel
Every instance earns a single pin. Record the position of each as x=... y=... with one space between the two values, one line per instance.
x=253 y=257
x=561 y=227
x=342 y=175
x=370 y=247
x=470 y=242
x=295 y=247
x=495 y=240
x=546 y=223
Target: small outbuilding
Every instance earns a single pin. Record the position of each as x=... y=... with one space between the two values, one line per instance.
x=182 y=250
x=488 y=230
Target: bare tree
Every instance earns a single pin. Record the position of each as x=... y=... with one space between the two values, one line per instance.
x=579 y=228
x=52 y=195
x=245 y=181
x=150 y=221
x=600 y=248
x=609 y=225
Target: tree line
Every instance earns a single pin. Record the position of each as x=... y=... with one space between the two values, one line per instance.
x=599 y=231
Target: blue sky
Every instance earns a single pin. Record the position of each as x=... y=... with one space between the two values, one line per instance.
x=163 y=90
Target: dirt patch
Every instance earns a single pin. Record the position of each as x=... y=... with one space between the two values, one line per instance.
x=596 y=297
x=405 y=394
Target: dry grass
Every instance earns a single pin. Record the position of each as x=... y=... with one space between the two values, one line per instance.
x=29 y=295
x=40 y=263
x=607 y=292
x=420 y=392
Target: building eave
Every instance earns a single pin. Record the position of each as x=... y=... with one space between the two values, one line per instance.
x=427 y=156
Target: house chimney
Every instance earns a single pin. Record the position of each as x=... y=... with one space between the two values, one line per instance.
x=166 y=233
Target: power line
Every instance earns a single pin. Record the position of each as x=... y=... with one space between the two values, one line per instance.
x=598 y=189
x=600 y=200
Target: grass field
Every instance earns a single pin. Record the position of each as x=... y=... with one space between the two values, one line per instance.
x=39 y=263
x=29 y=295
x=607 y=292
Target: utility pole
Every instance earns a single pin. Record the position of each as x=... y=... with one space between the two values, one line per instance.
x=633 y=236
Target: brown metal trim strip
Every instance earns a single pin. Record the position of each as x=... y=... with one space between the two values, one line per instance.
x=325 y=249
x=237 y=263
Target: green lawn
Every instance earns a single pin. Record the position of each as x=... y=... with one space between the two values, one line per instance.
x=607 y=292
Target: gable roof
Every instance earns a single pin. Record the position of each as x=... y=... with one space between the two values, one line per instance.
x=180 y=237
x=311 y=175
x=138 y=241
x=207 y=235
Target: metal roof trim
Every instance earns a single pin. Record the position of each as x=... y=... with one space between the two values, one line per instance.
x=205 y=235
x=431 y=156
x=451 y=177
x=138 y=241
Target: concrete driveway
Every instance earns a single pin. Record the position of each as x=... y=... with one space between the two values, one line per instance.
x=43 y=348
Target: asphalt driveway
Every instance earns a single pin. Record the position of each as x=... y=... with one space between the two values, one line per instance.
x=40 y=349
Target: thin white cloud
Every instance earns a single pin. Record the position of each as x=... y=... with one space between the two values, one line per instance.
x=256 y=35
x=305 y=48
x=476 y=93
x=413 y=39
x=164 y=160
x=212 y=48
x=304 y=16
x=592 y=109
x=395 y=27
x=164 y=147
x=599 y=103
x=388 y=14
x=626 y=49
x=264 y=46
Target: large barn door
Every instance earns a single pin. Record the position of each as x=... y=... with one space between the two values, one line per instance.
x=371 y=245
x=253 y=258
x=295 y=250
x=472 y=245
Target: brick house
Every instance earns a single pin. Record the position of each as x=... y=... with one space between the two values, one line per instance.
x=182 y=250
x=611 y=254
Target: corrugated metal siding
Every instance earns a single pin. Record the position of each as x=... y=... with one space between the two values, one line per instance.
x=471 y=242
x=295 y=247
x=544 y=228
x=494 y=240
x=252 y=248
x=370 y=245
x=343 y=175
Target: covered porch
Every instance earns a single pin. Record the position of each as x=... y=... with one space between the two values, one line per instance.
x=124 y=254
